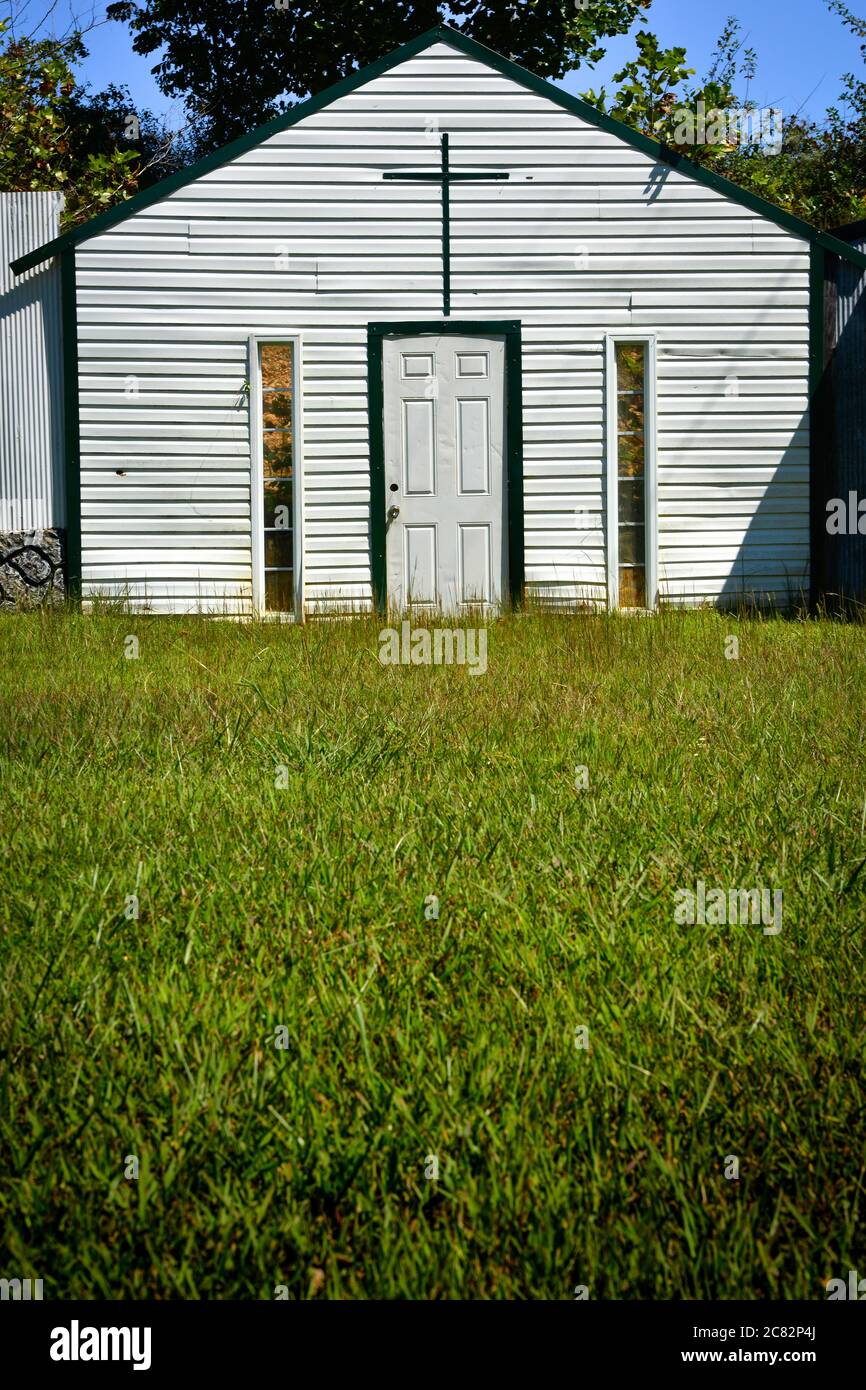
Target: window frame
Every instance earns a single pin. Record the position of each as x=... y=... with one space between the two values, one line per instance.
x=649 y=342
x=257 y=476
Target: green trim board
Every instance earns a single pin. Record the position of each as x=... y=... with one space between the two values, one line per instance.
x=71 y=428
x=818 y=425
x=376 y=426
x=510 y=329
x=471 y=48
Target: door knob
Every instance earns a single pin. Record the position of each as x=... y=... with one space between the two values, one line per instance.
x=392 y=512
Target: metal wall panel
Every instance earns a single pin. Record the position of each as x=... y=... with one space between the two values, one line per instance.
x=31 y=377
x=845 y=555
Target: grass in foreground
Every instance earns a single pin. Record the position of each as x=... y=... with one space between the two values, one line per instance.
x=284 y=1040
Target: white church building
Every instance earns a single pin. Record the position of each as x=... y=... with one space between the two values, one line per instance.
x=441 y=336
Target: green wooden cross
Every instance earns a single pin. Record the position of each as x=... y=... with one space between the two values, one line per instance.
x=446 y=177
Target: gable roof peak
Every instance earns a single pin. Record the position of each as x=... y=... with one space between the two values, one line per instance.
x=662 y=154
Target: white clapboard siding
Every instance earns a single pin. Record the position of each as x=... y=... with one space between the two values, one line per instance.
x=587 y=237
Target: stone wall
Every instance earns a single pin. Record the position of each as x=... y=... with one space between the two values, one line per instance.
x=31 y=569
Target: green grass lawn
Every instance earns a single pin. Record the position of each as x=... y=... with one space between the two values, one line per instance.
x=286 y=1037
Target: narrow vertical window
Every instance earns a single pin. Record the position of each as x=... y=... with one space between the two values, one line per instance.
x=278 y=437
x=631 y=453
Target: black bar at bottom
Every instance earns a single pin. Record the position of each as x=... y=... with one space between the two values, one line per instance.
x=86 y=1340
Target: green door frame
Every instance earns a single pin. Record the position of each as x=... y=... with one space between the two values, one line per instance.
x=510 y=330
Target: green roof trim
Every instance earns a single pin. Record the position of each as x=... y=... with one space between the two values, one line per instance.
x=663 y=154
x=71 y=424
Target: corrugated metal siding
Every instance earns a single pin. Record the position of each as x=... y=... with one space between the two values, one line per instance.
x=845 y=556
x=851 y=283
x=31 y=377
x=588 y=236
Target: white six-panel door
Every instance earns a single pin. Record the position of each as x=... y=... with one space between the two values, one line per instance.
x=444 y=471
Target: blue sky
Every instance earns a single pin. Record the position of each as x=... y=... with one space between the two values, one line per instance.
x=802 y=49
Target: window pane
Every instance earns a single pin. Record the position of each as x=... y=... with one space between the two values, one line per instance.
x=630 y=455
x=278 y=454
x=278 y=549
x=278 y=504
x=279 y=591
x=631 y=545
x=631 y=509
x=630 y=414
x=277 y=404
x=277 y=410
x=277 y=365
x=632 y=588
x=629 y=366
x=631 y=468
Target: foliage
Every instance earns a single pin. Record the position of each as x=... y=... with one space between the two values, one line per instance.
x=815 y=170
x=238 y=65
x=56 y=135
x=48 y=137
x=302 y=907
x=653 y=89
